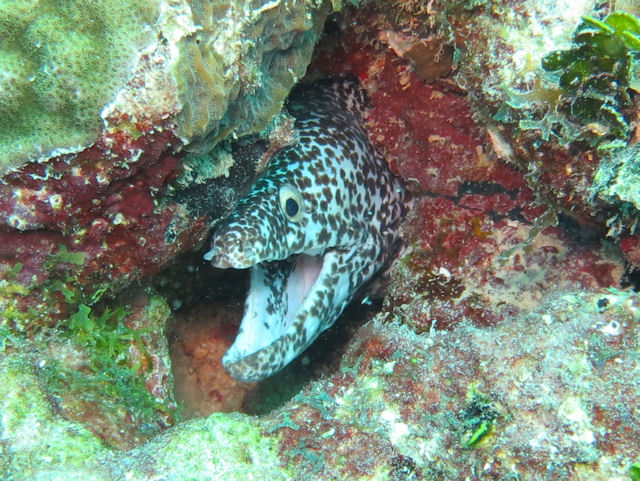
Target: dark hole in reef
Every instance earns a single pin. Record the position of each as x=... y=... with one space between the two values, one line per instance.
x=217 y=196
x=208 y=305
x=631 y=278
x=582 y=233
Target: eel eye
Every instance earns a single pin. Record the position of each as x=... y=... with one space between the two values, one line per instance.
x=291 y=202
x=291 y=207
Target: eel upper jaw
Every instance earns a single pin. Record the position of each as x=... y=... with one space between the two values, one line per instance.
x=266 y=340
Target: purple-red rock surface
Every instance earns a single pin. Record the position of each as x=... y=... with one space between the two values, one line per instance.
x=506 y=347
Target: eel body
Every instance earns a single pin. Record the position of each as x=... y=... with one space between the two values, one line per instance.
x=318 y=223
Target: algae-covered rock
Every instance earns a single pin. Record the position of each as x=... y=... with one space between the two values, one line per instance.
x=227 y=447
x=617 y=182
x=556 y=83
x=33 y=439
x=36 y=443
x=552 y=389
x=106 y=369
x=237 y=67
x=60 y=63
x=104 y=95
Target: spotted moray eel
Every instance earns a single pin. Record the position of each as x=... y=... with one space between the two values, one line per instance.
x=318 y=223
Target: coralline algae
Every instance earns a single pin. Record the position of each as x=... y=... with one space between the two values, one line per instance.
x=546 y=387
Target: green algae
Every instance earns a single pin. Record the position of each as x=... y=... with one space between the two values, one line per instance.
x=596 y=76
x=618 y=176
x=38 y=441
x=33 y=438
x=583 y=93
x=61 y=284
x=38 y=444
x=108 y=378
x=60 y=62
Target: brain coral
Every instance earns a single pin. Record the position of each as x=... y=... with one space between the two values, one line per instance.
x=236 y=69
x=60 y=62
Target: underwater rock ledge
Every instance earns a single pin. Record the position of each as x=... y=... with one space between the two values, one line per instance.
x=553 y=390
x=526 y=365
x=87 y=213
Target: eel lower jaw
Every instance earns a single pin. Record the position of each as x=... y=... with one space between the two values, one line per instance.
x=264 y=343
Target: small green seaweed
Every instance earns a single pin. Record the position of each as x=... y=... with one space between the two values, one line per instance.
x=6 y=339
x=105 y=334
x=586 y=92
x=63 y=278
x=12 y=272
x=478 y=418
x=108 y=374
x=63 y=256
x=634 y=472
x=596 y=76
x=61 y=281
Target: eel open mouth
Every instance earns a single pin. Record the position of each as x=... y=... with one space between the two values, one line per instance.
x=272 y=331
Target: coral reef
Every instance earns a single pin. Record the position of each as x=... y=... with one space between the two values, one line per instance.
x=534 y=396
x=94 y=224
x=60 y=63
x=93 y=214
x=548 y=393
x=559 y=95
x=506 y=347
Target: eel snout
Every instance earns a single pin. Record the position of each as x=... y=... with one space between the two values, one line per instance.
x=228 y=253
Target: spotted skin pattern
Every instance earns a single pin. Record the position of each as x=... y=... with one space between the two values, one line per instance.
x=318 y=223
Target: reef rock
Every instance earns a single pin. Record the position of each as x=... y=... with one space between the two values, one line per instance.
x=551 y=391
x=557 y=105
x=506 y=347
x=96 y=101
